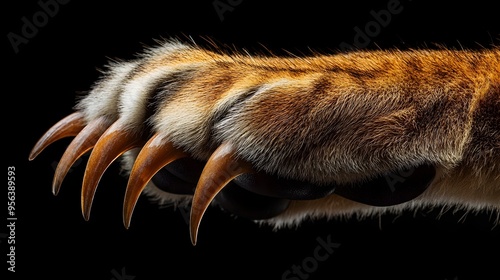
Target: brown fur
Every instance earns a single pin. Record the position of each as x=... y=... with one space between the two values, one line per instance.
x=324 y=119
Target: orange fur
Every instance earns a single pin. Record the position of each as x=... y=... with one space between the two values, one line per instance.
x=323 y=119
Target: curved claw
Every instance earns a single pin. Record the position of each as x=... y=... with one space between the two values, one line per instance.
x=221 y=168
x=83 y=142
x=113 y=143
x=71 y=125
x=155 y=154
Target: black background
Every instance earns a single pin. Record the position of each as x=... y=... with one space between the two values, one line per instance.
x=44 y=77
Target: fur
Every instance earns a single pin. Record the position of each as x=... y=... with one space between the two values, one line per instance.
x=324 y=119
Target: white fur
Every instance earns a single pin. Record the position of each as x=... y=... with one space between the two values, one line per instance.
x=104 y=96
x=187 y=121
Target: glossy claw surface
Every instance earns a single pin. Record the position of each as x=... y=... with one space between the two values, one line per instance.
x=69 y=126
x=114 y=142
x=155 y=154
x=83 y=142
x=221 y=168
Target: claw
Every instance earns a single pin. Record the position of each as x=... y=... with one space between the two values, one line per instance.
x=155 y=154
x=83 y=142
x=221 y=168
x=114 y=142
x=71 y=125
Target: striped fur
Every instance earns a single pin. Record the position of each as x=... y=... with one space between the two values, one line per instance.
x=323 y=119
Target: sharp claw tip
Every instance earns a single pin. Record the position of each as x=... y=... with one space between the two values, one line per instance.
x=126 y=224
x=32 y=156
x=193 y=234
x=55 y=189
x=86 y=215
